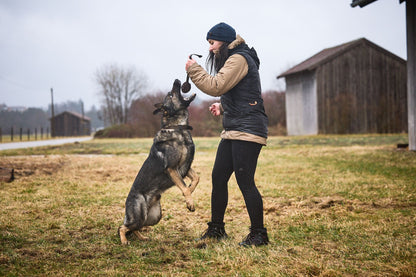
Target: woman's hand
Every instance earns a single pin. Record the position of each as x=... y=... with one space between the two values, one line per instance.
x=215 y=109
x=189 y=63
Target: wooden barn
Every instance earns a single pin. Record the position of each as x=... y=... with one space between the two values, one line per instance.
x=70 y=124
x=356 y=87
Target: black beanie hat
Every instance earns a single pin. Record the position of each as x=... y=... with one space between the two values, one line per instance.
x=222 y=32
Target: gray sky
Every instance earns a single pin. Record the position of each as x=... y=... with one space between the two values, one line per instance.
x=61 y=44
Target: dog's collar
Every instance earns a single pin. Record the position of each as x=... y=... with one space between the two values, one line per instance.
x=178 y=127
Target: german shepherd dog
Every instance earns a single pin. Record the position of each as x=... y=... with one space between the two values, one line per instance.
x=168 y=163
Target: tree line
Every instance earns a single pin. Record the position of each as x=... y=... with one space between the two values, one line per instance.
x=140 y=121
x=37 y=118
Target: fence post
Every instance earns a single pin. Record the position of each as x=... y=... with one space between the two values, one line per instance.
x=41 y=132
x=11 y=133
x=28 y=134
x=1 y=138
x=21 y=133
x=36 y=133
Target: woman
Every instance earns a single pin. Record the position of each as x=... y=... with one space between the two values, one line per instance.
x=235 y=69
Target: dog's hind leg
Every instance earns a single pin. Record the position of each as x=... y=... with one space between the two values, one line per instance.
x=179 y=182
x=122 y=231
x=154 y=213
x=136 y=214
x=139 y=235
x=194 y=179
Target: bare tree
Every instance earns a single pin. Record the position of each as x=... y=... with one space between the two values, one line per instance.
x=119 y=87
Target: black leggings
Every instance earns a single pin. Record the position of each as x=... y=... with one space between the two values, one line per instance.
x=239 y=157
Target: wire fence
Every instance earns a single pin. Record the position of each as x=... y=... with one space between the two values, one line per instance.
x=22 y=135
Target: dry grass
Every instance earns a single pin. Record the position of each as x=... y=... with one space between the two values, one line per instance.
x=334 y=206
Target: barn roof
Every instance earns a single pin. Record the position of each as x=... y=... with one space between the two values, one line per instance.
x=74 y=114
x=331 y=53
x=363 y=3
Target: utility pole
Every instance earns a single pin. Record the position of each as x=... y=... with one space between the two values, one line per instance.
x=82 y=127
x=411 y=71
x=53 y=115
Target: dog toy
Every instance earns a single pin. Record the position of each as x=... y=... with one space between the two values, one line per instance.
x=186 y=86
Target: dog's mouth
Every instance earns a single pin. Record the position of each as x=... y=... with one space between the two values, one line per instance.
x=190 y=98
x=177 y=90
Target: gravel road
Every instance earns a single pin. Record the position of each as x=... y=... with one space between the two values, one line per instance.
x=36 y=143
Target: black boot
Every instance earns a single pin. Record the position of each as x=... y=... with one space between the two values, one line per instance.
x=256 y=237
x=215 y=231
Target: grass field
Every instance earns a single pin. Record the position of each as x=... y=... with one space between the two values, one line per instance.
x=334 y=206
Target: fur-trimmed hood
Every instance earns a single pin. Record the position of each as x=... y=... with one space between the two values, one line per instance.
x=239 y=44
x=239 y=40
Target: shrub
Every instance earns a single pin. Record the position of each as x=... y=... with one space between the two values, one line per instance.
x=116 y=131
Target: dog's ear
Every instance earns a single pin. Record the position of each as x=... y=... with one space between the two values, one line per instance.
x=156 y=111
x=158 y=107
